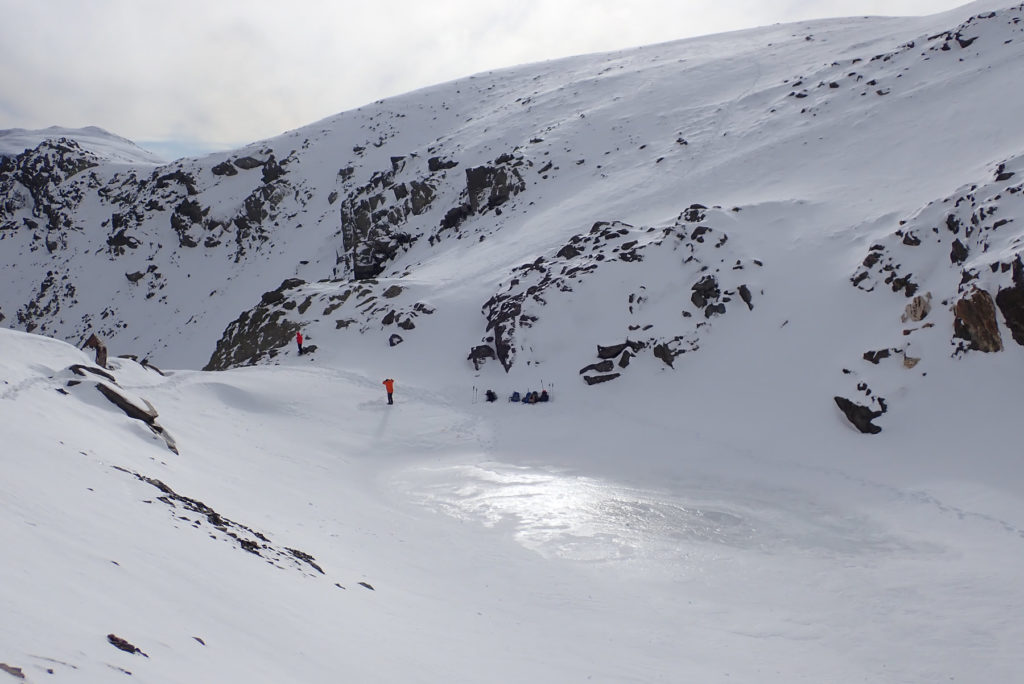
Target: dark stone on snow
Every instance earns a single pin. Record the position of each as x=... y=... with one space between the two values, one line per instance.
x=860 y=416
x=272 y=297
x=491 y=186
x=598 y=379
x=958 y=252
x=665 y=353
x=601 y=367
x=120 y=240
x=705 y=291
x=11 y=670
x=435 y=164
x=714 y=309
x=616 y=349
x=275 y=296
x=247 y=163
x=480 y=354
x=395 y=340
x=455 y=216
x=568 y=252
x=366 y=585
x=224 y=169
x=694 y=213
x=272 y=170
x=124 y=645
x=876 y=356
x=746 y=296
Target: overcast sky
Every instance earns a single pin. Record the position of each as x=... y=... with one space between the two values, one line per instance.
x=180 y=76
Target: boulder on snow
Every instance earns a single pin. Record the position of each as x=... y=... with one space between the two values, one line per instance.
x=480 y=354
x=224 y=169
x=860 y=416
x=124 y=645
x=603 y=367
x=598 y=379
x=705 y=291
x=11 y=670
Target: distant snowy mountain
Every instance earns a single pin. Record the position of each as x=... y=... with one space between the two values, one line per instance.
x=107 y=146
x=772 y=281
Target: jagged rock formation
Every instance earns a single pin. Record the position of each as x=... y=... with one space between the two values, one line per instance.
x=263 y=332
x=968 y=249
x=138 y=407
x=715 y=273
x=374 y=216
x=969 y=227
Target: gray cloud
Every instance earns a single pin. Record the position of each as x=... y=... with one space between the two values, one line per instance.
x=233 y=71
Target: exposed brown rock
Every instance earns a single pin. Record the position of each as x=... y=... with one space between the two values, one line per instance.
x=976 y=321
x=96 y=343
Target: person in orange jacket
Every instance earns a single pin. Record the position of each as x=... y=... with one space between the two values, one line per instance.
x=298 y=340
x=389 y=385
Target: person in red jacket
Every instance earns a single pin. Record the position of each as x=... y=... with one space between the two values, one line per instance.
x=389 y=385
x=298 y=340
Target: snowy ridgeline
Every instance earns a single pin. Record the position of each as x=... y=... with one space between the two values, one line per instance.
x=491 y=203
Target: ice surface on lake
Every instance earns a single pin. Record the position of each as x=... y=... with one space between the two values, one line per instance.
x=565 y=516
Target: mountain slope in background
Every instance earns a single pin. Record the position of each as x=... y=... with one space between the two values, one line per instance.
x=726 y=258
x=110 y=147
x=833 y=127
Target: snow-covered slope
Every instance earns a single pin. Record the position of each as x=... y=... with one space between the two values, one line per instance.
x=726 y=258
x=836 y=127
x=304 y=530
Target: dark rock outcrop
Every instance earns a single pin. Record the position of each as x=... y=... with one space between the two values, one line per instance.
x=480 y=354
x=243 y=536
x=1010 y=301
x=598 y=379
x=876 y=356
x=860 y=416
x=600 y=367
